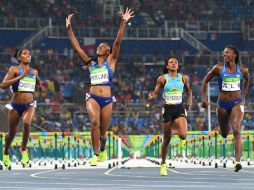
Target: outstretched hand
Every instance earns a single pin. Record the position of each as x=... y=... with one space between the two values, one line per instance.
x=127 y=15
x=68 y=20
x=151 y=96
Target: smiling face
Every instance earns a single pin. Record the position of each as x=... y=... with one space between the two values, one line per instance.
x=172 y=64
x=103 y=49
x=229 y=55
x=24 y=56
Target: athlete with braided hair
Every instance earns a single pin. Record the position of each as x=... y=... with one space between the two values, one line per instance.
x=233 y=82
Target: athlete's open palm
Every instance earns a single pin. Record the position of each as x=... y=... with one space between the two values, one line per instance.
x=68 y=20
x=128 y=14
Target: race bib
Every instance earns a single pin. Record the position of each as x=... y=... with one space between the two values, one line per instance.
x=230 y=84
x=99 y=76
x=27 y=85
x=172 y=98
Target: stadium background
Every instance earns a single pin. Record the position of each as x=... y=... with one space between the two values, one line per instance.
x=194 y=31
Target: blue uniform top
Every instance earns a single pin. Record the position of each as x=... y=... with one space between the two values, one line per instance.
x=26 y=84
x=173 y=89
x=101 y=75
x=230 y=82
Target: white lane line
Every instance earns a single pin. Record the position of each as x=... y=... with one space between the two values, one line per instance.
x=113 y=186
x=178 y=172
x=38 y=173
x=112 y=169
x=131 y=176
x=246 y=171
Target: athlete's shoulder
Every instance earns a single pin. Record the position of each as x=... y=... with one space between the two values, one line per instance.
x=161 y=78
x=184 y=77
x=14 y=69
x=35 y=71
x=244 y=68
x=217 y=68
x=219 y=65
x=183 y=74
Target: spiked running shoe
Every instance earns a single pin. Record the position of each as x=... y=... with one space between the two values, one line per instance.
x=93 y=161
x=6 y=161
x=164 y=171
x=237 y=167
x=24 y=157
x=103 y=156
x=182 y=143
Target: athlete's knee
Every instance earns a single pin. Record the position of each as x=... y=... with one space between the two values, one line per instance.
x=183 y=135
x=27 y=124
x=95 y=123
x=10 y=136
x=166 y=140
x=236 y=132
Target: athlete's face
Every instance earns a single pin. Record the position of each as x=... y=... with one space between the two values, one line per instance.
x=25 y=56
x=103 y=49
x=229 y=55
x=172 y=64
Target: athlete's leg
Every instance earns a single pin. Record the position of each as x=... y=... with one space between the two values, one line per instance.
x=13 y=121
x=93 y=110
x=27 y=122
x=167 y=131
x=236 y=117
x=223 y=119
x=105 y=117
x=181 y=126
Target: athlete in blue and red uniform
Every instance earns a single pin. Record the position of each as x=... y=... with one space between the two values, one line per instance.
x=22 y=79
x=232 y=96
x=99 y=100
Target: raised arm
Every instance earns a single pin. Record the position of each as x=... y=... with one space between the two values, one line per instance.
x=215 y=71
x=188 y=91
x=116 y=46
x=10 y=78
x=159 y=84
x=246 y=82
x=74 y=41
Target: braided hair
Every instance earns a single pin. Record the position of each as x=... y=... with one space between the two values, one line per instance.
x=237 y=53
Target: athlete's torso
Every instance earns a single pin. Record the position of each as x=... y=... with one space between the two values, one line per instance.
x=173 y=89
x=23 y=89
x=101 y=79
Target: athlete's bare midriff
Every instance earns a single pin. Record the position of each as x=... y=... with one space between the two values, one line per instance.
x=22 y=98
x=103 y=91
x=229 y=96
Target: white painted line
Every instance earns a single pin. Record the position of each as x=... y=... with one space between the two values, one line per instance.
x=107 y=172
x=38 y=173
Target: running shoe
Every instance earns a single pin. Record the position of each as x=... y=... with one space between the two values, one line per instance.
x=24 y=157
x=6 y=161
x=182 y=143
x=93 y=161
x=103 y=156
x=164 y=171
x=237 y=166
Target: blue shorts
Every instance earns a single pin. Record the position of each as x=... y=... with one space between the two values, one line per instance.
x=228 y=105
x=102 y=101
x=20 y=108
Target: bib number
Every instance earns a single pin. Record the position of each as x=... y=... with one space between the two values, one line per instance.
x=231 y=86
x=27 y=85
x=173 y=98
x=99 y=76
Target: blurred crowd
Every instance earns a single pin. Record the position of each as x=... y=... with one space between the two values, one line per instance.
x=63 y=109
x=148 y=12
